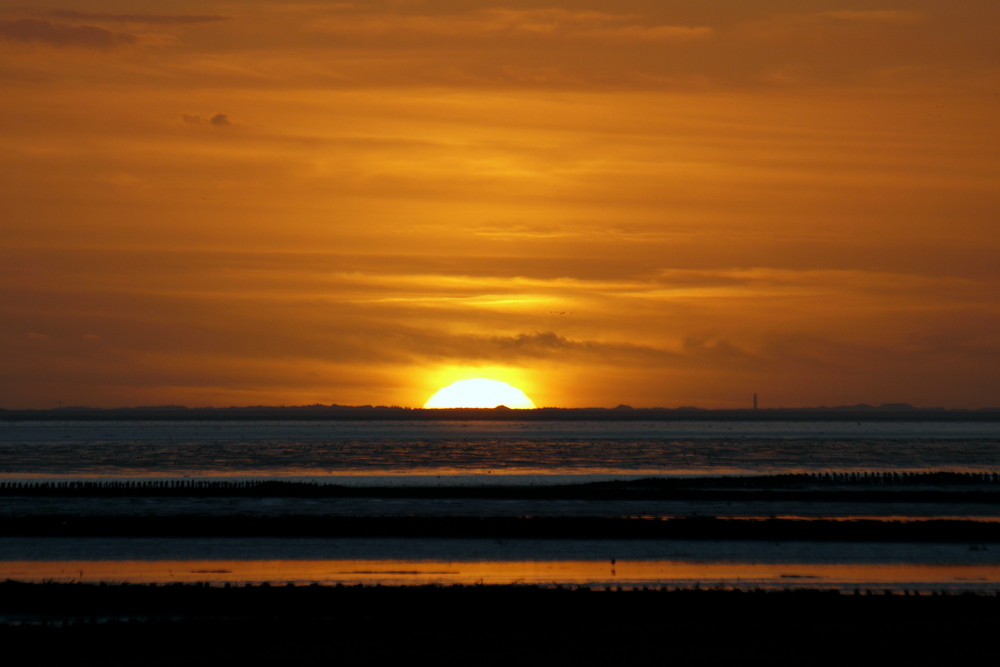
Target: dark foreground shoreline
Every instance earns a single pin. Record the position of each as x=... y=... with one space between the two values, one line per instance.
x=128 y=624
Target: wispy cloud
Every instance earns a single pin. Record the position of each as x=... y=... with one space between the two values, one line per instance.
x=154 y=19
x=547 y=24
x=61 y=35
x=874 y=16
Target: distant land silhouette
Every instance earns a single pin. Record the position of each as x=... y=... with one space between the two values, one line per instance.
x=861 y=412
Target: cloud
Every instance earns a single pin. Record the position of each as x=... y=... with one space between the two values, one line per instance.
x=848 y=280
x=541 y=344
x=218 y=120
x=873 y=16
x=550 y=345
x=160 y=19
x=542 y=24
x=656 y=33
x=587 y=25
x=57 y=34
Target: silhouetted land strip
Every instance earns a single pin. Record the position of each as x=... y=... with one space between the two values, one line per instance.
x=891 y=412
x=610 y=528
x=867 y=487
x=461 y=625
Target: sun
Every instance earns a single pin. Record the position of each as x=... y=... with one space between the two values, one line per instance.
x=479 y=393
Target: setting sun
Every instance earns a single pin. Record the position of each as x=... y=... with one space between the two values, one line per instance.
x=479 y=393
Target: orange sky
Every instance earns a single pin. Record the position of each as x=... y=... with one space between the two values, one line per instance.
x=659 y=202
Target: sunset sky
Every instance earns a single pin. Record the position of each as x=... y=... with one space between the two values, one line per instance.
x=651 y=202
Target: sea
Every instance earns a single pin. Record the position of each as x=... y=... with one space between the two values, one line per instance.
x=477 y=454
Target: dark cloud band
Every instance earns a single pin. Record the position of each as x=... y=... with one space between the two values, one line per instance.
x=57 y=34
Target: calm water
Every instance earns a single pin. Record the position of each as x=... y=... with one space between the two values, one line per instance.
x=458 y=452
x=494 y=453
x=597 y=563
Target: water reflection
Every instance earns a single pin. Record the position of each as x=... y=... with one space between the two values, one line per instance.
x=498 y=507
x=627 y=573
x=484 y=450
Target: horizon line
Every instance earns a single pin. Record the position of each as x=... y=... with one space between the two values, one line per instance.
x=902 y=407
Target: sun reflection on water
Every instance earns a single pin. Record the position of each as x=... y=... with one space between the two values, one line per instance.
x=671 y=573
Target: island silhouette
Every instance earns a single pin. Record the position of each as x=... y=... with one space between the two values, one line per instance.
x=860 y=412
